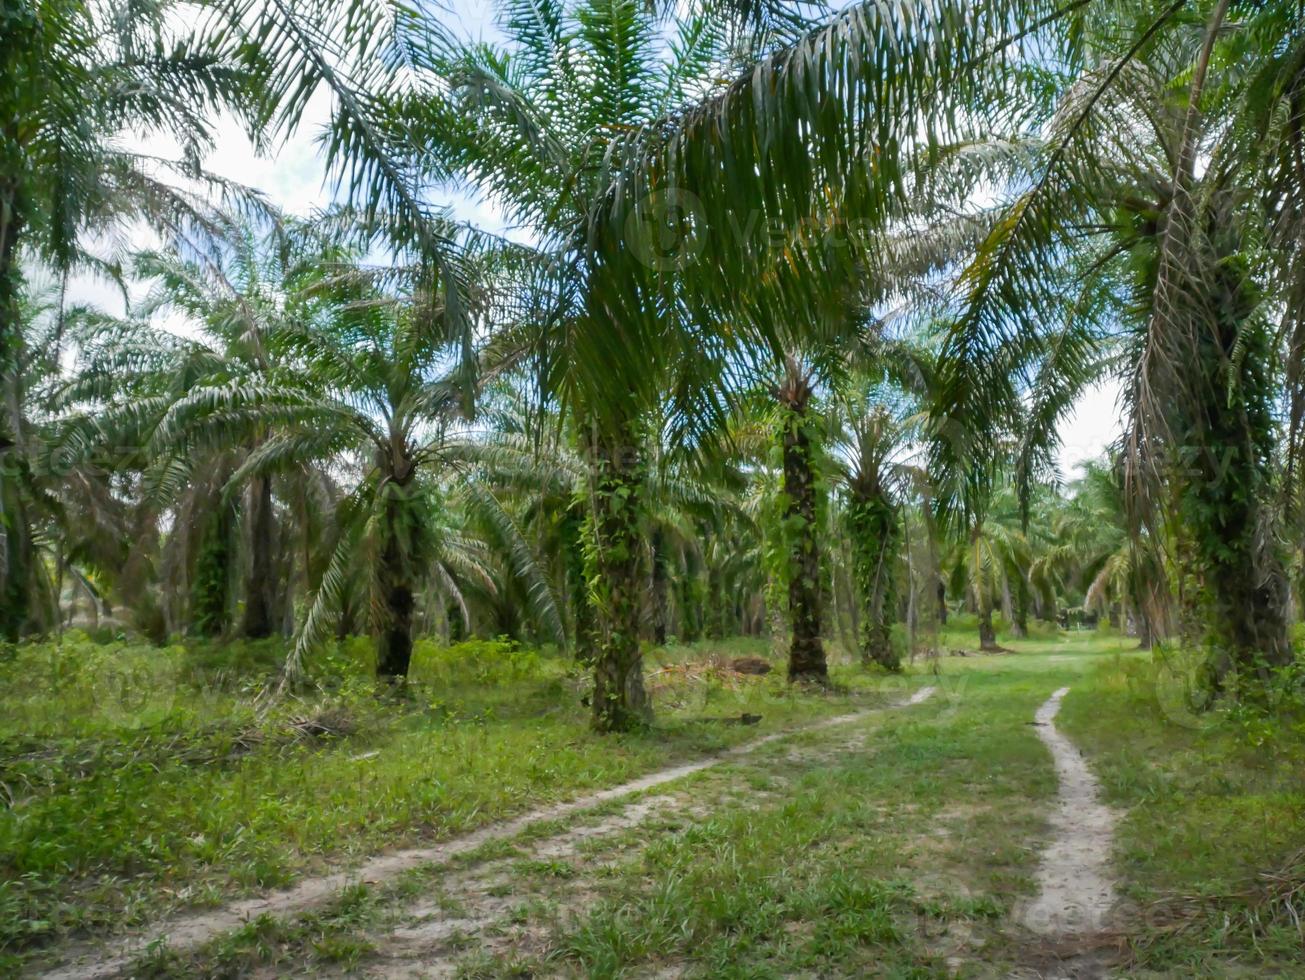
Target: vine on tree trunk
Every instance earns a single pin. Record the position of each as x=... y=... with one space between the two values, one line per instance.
x=210 y=591
x=798 y=554
x=395 y=581
x=614 y=546
x=875 y=529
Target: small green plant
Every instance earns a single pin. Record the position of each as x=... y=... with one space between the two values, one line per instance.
x=483 y=662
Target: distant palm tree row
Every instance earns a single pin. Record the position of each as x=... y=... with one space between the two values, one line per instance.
x=807 y=295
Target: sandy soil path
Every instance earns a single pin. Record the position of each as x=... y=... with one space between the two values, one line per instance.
x=1076 y=886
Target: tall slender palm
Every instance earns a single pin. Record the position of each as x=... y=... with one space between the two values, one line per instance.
x=532 y=124
x=803 y=499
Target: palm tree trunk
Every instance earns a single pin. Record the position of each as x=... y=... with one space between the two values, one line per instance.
x=987 y=634
x=394 y=649
x=395 y=653
x=582 y=612
x=714 y=615
x=1145 y=632
x=15 y=559
x=15 y=544
x=874 y=530
x=258 y=585
x=843 y=604
x=660 y=587
x=1225 y=498
x=11 y=328
x=853 y=607
x=210 y=589
x=1020 y=622
x=692 y=588
x=980 y=593
x=806 y=658
x=620 y=702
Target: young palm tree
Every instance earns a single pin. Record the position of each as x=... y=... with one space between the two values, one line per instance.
x=1114 y=568
x=872 y=439
x=238 y=298
x=30 y=505
x=373 y=387
x=74 y=75
x=78 y=508
x=997 y=555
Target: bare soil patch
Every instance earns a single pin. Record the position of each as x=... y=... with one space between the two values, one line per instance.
x=1076 y=886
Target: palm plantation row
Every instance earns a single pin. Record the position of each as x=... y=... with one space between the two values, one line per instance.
x=805 y=296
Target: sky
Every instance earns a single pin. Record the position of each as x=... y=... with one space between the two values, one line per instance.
x=294 y=180
x=1092 y=425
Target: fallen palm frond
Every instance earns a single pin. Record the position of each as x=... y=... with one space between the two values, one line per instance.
x=1271 y=900
x=32 y=767
x=730 y=673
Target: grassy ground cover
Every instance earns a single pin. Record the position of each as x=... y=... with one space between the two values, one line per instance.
x=1210 y=851
x=897 y=846
x=900 y=845
x=137 y=780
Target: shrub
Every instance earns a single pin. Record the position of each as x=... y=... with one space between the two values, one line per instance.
x=481 y=662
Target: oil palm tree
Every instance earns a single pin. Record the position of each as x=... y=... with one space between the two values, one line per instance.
x=134 y=379
x=1139 y=231
x=872 y=470
x=356 y=377
x=532 y=124
x=608 y=141
x=782 y=422
x=1114 y=568
x=76 y=75
x=29 y=501
x=379 y=401
x=80 y=520
x=238 y=298
x=995 y=557
x=803 y=500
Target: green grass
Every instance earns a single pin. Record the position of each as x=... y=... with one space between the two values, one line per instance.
x=1214 y=801
x=139 y=780
x=812 y=856
x=860 y=864
x=899 y=845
